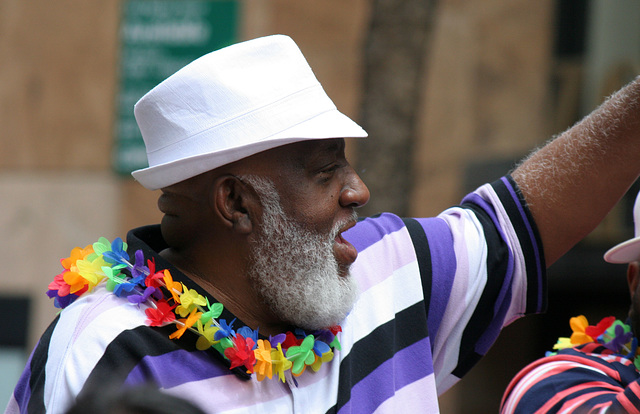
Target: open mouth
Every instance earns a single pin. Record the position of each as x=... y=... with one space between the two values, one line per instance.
x=344 y=251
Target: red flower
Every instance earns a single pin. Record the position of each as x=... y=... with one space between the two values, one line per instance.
x=290 y=341
x=241 y=353
x=60 y=285
x=603 y=325
x=161 y=315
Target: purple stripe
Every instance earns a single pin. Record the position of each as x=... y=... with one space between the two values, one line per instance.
x=534 y=243
x=371 y=230
x=443 y=268
x=502 y=302
x=22 y=392
x=176 y=368
x=406 y=366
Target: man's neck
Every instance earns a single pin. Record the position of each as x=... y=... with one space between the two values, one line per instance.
x=233 y=291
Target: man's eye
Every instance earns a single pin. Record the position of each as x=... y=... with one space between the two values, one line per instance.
x=326 y=173
x=330 y=169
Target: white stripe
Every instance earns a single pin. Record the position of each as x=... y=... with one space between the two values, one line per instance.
x=470 y=281
x=81 y=336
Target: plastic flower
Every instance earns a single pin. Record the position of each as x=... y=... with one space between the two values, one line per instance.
x=278 y=339
x=154 y=279
x=91 y=270
x=263 y=365
x=139 y=269
x=241 y=353
x=578 y=325
x=74 y=281
x=621 y=335
x=213 y=312
x=279 y=362
x=114 y=277
x=326 y=357
x=247 y=332
x=190 y=299
x=336 y=342
x=138 y=299
x=207 y=335
x=290 y=341
x=563 y=343
x=76 y=254
x=59 y=286
x=175 y=288
x=600 y=328
x=225 y=330
x=161 y=315
x=302 y=355
x=186 y=324
x=320 y=348
x=116 y=253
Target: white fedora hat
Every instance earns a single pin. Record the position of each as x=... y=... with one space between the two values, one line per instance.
x=232 y=103
x=628 y=251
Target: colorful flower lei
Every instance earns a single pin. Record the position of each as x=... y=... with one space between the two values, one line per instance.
x=610 y=332
x=171 y=302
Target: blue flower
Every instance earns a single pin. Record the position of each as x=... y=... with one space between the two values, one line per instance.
x=224 y=331
x=117 y=255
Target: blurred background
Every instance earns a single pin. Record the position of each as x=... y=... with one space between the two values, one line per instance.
x=452 y=93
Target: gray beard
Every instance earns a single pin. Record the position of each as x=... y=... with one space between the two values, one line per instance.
x=294 y=270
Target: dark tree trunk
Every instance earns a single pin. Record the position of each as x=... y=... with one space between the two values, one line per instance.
x=394 y=60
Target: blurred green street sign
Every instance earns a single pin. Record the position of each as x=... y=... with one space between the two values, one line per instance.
x=158 y=37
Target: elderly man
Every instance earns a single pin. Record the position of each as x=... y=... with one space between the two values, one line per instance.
x=261 y=292
x=597 y=368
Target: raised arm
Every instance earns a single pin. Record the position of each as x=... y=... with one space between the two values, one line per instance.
x=572 y=182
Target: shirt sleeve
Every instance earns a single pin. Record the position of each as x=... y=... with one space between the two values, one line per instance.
x=574 y=381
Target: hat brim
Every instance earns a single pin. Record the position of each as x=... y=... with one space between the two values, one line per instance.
x=625 y=252
x=331 y=124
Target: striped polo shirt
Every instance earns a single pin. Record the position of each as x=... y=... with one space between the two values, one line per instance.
x=589 y=378
x=434 y=295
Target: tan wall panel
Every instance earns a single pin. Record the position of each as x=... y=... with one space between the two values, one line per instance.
x=485 y=92
x=57 y=82
x=44 y=216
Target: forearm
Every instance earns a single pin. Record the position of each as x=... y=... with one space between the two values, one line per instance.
x=571 y=183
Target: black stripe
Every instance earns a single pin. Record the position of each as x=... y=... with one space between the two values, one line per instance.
x=38 y=370
x=408 y=327
x=497 y=252
x=126 y=351
x=423 y=255
x=533 y=267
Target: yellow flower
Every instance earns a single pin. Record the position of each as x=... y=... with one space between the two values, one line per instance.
x=189 y=300
x=91 y=270
x=326 y=357
x=263 y=360
x=563 y=343
x=279 y=362
x=206 y=336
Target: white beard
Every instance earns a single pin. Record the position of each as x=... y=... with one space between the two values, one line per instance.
x=294 y=270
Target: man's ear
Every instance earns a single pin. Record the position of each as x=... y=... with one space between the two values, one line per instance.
x=234 y=203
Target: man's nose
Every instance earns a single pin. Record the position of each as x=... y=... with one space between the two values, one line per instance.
x=355 y=192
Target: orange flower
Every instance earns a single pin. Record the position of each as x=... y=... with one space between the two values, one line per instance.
x=175 y=288
x=186 y=324
x=579 y=324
